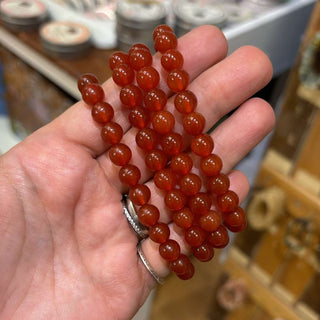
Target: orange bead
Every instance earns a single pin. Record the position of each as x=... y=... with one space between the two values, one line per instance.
x=211 y=165
x=210 y=221
x=195 y=236
x=159 y=233
x=155 y=99
x=92 y=93
x=102 y=112
x=200 y=203
x=172 y=143
x=204 y=252
x=160 y=29
x=111 y=133
x=148 y=215
x=156 y=160
x=235 y=221
x=228 y=201
x=202 y=145
x=190 y=184
x=163 y=122
x=178 y=80
x=181 y=265
x=165 y=179
x=181 y=164
x=169 y=250
x=118 y=58
x=175 y=199
x=219 y=238
x=139 y=194
x=120 y=154
x=129 y=175
x=85 y=79
x=139 y=117
x=183 y=218
x=188 y=274
x=131 y=96
x=138 y=46
x=140 y=58
x=165 y=41
x=123 y=75
x=147 y=78
x=147 y=139
x=172 y=59
x=218 y=184
x=193 y=123
x=185 y=101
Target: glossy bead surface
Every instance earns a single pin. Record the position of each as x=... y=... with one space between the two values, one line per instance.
x=140 y=58
x=195 y=236
x=172 y=59
x=147 y=139
x=139 y=117
x=175 y=199
x=147 y=78
x=219 y=238
x=218 y=184
x=188 y=274
x=92 y=93
x=86 y=79
x=181 y=164
x=102 y=112
x=159 y=233
x=148 y=215
x=202 y=145
x=120 y=154
x=193 y=123
x=210 y=221
x=169 y=250
x=190 y=184
x=178 y=80
x=155 y=99
x=183 y=218
x=200 y=203
x=139 y=194
x=172 y=143
x=123 y=75
x=211 y=165
x=185 y=101
x=165 y=179
x=160 y=29
x=165 y=41
x=131 y=96
x=163 y=121
x=111 y=133
x=228 y=201
x=129 y=175
x=204 y=252
x=118 y=58
x=155 y=159
x=137 y=46
x=235 y=221
x=180 y=265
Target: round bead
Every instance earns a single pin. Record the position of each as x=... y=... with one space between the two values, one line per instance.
x=190 y=184
x=160 y=29
x=155 y=99
x=202 y=145
x=111 y=133
x=123 y=75
x=211 y=165
x=195 y=236
x=165 y=41
x=147 y=139
x=172 y=59
x=235 y=221
x=129 y=175
x=193 y=123
x=163 y=121
x=181 y=164
x=180 y=265
x=159 y=233
x=219 y=238
x=200 y=203
x=183 y=218
x=218 y=184
x=185 y=101
x=147 y=78
x=140 y=58
x=102 y=112
x=204 y=252
x=172 y=143
x=165 y=179
x=178 y=80
x=85 y=79
x=210 y=221
x=228 y=201
x=92 y=93
x=139 y=194
x=139 y=117
x=120 y=154
x=169 y=250
x=188 y=274
x=148 y=215
x=131 y=96
x=138 y=46
x=156 y=159
x=118 y=58
x=175 y=199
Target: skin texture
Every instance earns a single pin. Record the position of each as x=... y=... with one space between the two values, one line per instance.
x=66 y=249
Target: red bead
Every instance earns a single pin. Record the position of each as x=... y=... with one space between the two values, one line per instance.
x=139 y=194
x=85 y=79
x=131 y=96
x=169 y=250
x=155 y=99
x=163 y=121
x=92 y=93
x=235 y=221
x=228 y=201
x=210 y=221
x=190 y=184
x=172 y=59
x=129 y=175
x=188 y=274
x=185 y=101
x=147 y=139
x=204 y=252
x=148 y=215
x=202 y=145
x=120 y=154
x=140 y=58
x=111 y=133
x=165 y=41
x=218 y=184
x=181 y=164
x=193 y=123
x=118 y=58
x=195 y=236
x=139 y=117
x=219 y=238
x=138 y=46
x=156 y=159
x=200 y=203
x=183 y=218
x=172 y=143
x=180 y=265
x=123 y=75
x=147 y=78
x=102 y=112
x=211 y=165
x=159 y=233
x=165 y=179
x=160 y=29
x=175 y=199
x=178 y=80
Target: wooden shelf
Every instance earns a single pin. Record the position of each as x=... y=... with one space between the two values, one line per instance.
x=310 y=95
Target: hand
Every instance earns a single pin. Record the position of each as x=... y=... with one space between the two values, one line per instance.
x=66 y=249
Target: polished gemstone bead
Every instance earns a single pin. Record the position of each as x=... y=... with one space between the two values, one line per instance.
x=155 y=99
x=129 y=175
x=172 y=59
x=181 y=164
x=218 y=184
x=160 y=29
x=156 y=159
x=200 y=203
x=219 y=238
x=85 y=79
x=210 y=221
x=180 y=265
x=204 y=252
x=195 y=236
x=193 y=123
x=137 y=46
x=140 y=58
x=120 y=154
x=159 y=233
x=139 y=194
x=211 y=165
x=163 y=121
x=188 y=274
x=139 y=117
x=147 y=139
x=165 y=41
x=175 y=199
x=148 y=215
x=178 y=80
x=111 y=133
x=92 y=93
x=183 y=218
x=165 y=179
x=123 y=75
x=235 y=221
x=102 y=112
x=169 y=250
x=228 y=201
x=190 y=184
x=172 y=143
x=118 y=58
x=131 y=96
x=185 y=101
x=147 y=78
x=202 y=145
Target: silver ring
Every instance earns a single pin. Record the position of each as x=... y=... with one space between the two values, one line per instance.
x=147 y=265
x=131 y=215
